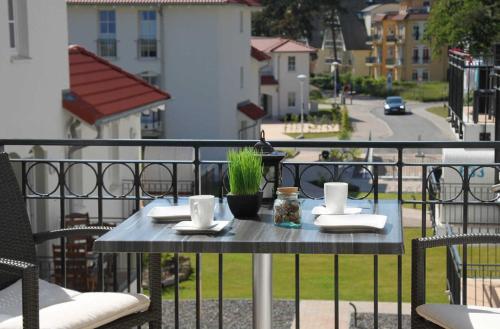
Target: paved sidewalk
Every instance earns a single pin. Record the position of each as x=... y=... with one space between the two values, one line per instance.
x=318 y=314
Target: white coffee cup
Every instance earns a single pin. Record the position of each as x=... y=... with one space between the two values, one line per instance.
x=336 y=197
x=202 y=210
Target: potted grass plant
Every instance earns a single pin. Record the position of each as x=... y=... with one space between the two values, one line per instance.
x=245 y=175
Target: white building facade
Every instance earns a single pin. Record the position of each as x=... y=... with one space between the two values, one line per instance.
x=281 y=91
x=199 y=52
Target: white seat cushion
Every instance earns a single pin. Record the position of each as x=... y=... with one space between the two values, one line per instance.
x=460 y=316
x=64 y=308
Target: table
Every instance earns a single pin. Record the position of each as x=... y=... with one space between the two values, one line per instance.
x=141 y=234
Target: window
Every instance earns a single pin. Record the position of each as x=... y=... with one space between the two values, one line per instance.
x=291 y=99
x=106 y=44
x=415 y=56
x=401 y=31
x=12 y=24
x=416 y=32
x=147 y=43
x=242 y=78
x=425 y=75
x=426 y=56
x=17 y=20
x=241 y=22
x=291 y=63
x=414 y=75
x=151 y=78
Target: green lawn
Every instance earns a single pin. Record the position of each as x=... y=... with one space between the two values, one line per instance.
x=356 y=276
x=439 y=111
x=314 y=135
x=425 y=92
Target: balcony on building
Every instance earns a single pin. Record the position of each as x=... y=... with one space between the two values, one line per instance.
x=390 y=62
x=391 y=39
x=371 y=60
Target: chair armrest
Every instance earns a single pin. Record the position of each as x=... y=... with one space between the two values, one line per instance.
x=455 y=239
x=495 y=188
x=29 y=274
x=71 y=231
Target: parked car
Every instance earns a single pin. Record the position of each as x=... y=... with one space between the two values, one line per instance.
x=394 y=104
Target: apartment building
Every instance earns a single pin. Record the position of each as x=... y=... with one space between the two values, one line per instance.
x=280 y=88
x=398 y=49
x=197 y=50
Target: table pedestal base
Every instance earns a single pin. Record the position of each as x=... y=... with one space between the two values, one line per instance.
x=262 y=290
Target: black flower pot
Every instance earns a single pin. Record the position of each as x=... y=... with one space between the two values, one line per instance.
x=245 y=206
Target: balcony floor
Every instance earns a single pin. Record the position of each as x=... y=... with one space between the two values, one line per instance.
x=315 y=314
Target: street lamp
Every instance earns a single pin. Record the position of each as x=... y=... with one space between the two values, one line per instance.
x=302 y=78
x=333 y=69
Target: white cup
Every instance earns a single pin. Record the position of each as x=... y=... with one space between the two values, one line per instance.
x=336 y=197
x=202 y=210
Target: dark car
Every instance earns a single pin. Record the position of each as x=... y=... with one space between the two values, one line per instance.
x=394 y=104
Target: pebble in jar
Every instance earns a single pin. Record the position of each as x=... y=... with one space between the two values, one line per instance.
x=287 y=208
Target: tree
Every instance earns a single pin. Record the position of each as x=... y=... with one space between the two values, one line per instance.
x=288 y=18
x=294 y=18
x=473 y=25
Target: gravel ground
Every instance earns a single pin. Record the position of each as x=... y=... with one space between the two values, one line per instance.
x=385 y=321
x=237 y=314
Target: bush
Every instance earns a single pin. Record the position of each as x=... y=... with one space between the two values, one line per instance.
x=315 y=94
x=322 y=81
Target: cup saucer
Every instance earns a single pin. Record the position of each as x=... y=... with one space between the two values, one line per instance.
x=322 y=210
x=187 y=227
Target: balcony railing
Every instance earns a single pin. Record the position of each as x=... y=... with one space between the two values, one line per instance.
x=390 y=62
x=147 y=48
x=107 y=48
x=477 y=102
x=391 y=38
x=371 y=60
x=371 y=175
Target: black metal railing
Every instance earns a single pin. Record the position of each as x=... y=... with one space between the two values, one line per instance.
x=147 y=48
x=390 y=61
x=391 y=38
x=371 y=60
x=107 y=47
x=105 y=182
x=473 y=86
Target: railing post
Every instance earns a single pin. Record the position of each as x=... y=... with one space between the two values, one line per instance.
x=465 y=217
x=400 y=174
x=62 y=210
x=100 y=182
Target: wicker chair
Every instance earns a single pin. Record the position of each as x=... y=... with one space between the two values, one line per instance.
x=446 y=315
x=18 y=270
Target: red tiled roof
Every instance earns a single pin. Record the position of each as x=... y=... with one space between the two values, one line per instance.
x=399 y=17
x=259 y=55
x=250 y=3
x=418 y=16
x=268 y=80
x=280 y=45
x=100 y=89
x=251 y=110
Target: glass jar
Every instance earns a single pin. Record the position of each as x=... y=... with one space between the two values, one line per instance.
x=287 y=208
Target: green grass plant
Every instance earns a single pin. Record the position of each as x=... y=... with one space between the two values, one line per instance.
x=245 y=171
